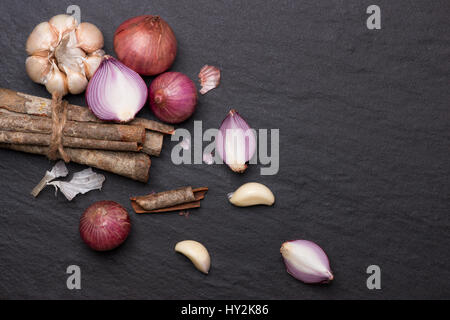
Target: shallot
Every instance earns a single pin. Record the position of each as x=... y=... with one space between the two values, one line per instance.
x=306 y=261
x=105 y=225
x=173 y=97
x=236 y=142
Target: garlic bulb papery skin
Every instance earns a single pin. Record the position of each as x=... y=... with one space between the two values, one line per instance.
x=196 y=252
x=62 y=24
x=38 y=68
x=56 y=81
x=92 y=62
x=42 y=40
x=306 y=261
x=89 y=37
x=63 y=55
x=252 y=194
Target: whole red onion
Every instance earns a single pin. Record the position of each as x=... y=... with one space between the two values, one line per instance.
x=173 y=97
x=146 y=44
x=104 y=225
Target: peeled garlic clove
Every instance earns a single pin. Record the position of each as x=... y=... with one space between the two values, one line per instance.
x=42 y=38
x=196 y=252
x=37 y=68
x=89 y=37
x=252 y=194
x=306 y=261
x=76 y=81
x=62 y=24
x=91 y=64
x=56 y=81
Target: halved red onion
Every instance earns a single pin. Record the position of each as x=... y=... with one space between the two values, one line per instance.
x=236 y=142
x=306 y=261
x=115 y=92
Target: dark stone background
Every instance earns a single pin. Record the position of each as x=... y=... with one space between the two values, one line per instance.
x=364 y=132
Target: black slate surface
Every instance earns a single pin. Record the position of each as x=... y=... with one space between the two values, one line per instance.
x=364 y=165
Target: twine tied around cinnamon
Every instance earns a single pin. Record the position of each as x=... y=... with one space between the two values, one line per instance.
x=59 y=117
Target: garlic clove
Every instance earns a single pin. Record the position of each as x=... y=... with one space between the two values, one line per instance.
x=89 y=37
x=37 y=68
x=306 y=261
x=62 y=24
x=252 y=194
x=91 y=64
x=56 y=81
x=196 y=252
x=42 y=38
x=76 y=81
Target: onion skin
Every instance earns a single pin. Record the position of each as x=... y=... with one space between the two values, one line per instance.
x=104 y=225
x=146 y=44
x=306 y=261
x=172 y=97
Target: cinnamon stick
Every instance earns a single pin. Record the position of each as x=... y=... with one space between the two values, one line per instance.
x=10 y=121
x=24 y=103
x=132 y=165
x=153 y=125
x=153 y=143
x=40 y=139
x=165 y=199
x=174 y=200
x=27 y=104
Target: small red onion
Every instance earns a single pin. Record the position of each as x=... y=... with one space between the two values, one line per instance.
x=306 y=261
x=146 y=44
x=173 y=97
x=236 y=142
x=104 y=225
x=115 y=92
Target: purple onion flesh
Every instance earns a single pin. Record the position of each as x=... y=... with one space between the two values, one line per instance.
x=306 y=261
x=115 y=92
x=236 y=142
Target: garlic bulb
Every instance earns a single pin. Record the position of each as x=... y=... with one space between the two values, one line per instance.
x=64 y=55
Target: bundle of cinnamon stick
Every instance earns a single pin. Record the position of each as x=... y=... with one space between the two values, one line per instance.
x=26 y=125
